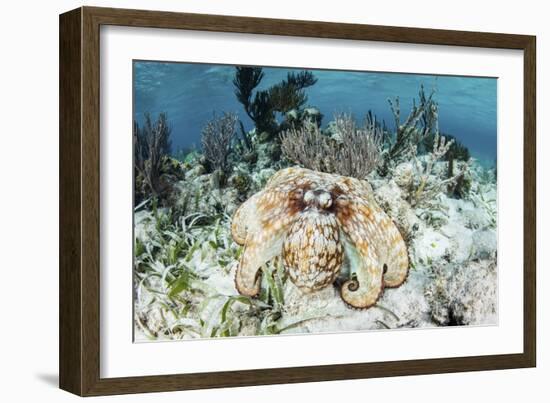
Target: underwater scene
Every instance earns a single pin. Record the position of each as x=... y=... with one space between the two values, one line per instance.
x=271 y=201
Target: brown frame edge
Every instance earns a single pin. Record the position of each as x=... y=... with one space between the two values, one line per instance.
x=79 y=364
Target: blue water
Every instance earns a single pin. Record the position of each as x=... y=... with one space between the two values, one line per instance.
x=191 y=93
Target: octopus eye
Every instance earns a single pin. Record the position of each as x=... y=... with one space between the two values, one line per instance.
x=324 y=199
x=385 y=268
x=309 y=197
x=319 y=198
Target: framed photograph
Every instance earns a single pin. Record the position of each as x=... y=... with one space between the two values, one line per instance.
x=249 y=201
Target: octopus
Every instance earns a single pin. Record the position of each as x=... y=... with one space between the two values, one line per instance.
x=315 y=222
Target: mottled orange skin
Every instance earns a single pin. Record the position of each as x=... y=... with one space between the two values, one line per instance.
x=313 y=220
x=312 y=251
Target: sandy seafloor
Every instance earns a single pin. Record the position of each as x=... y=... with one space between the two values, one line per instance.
x=452 y=245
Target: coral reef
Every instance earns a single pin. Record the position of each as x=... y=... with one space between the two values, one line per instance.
x=283 y=97
x=350 y=151
x=421 y=123
x=422 y=190
x=231 y=241
x=217 y=138
x=258 y=108
x=154 y=170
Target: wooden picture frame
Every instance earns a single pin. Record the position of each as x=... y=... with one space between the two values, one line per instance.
x=79 y=346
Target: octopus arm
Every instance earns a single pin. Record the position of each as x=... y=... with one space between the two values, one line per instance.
x=365 y=288
x=395 y=255
x=389 y=244
x=380 y=245
x=260 y=248
x=244 y=218
x=267 y=220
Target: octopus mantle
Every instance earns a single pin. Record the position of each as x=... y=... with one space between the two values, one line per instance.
x=315 y=221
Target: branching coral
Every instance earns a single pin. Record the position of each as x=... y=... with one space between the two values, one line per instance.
x=371 y=120
x=262 y=107
x=457 y=151
x=426 y=189
x=151 y=146
x=440 y=148
x=356 y=152
x=289 y=94
x=421 y=123
x=217 y=138
x=284 y=97
x=257 y=107
x=262 y=113
x=245 y=81
x=420 y=134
